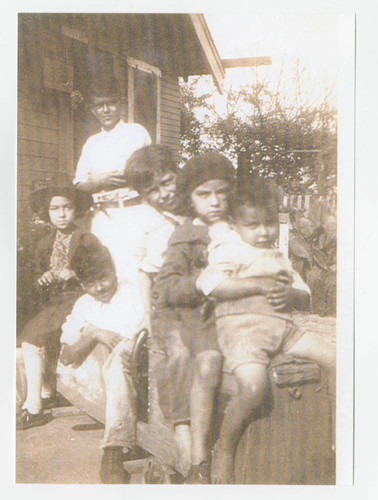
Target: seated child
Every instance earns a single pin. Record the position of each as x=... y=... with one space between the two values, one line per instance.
x=205 y=184
x=152 y=171
x=58 y=287
x=255 y=287
x=108 y=315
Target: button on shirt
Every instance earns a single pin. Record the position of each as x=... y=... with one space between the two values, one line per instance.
x=108 y=151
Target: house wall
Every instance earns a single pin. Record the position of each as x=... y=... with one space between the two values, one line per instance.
x=170 y=114
x=46 y=133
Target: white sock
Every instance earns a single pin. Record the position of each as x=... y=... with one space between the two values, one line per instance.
x=33 y=359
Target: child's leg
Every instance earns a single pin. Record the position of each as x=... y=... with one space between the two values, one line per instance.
x=252 y=382
x=173 y=378
x=33 y=360
x=120 y=418
x=206 y=378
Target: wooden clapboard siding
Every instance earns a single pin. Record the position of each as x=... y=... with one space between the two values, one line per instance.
x=170 y=114
x=37 y=134
x=38 y=138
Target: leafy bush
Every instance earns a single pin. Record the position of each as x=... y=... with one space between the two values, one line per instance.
x=312 y=249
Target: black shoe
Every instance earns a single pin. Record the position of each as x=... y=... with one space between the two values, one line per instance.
x=199 y=474
x=27 y=420
x=49 y=402
x=112 y=471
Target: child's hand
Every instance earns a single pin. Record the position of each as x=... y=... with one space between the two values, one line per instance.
x=46 y=279
x=278 y=296
x=66 y=274
x=107 y=338
x=266 y=285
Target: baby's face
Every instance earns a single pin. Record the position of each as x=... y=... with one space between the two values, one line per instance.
x=257 y=227
x=102 y=286
x=162 y=192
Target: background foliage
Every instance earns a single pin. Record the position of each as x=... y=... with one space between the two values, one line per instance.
x=291 y=140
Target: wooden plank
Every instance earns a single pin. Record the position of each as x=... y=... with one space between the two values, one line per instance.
x=170 y=117
x=170 y=127
x=39 y=118
x=171 y=108
x=246 y=62
x=65 y=135
x=36 y=99
x=170 y=96
x=38 y=149
x=39 y=134
x=28 y=177
x=31 y=163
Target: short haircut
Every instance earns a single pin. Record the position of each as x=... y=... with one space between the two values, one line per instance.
x=200 y=169
x=257 y=192
x=147 y=163
x=104 y=86
x=91 y=258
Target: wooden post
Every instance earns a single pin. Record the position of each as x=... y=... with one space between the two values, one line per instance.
x=284 y=233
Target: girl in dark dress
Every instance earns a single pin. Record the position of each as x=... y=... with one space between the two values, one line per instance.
x=57 y=289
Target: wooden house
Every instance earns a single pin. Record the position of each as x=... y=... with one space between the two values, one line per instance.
x=146 y=53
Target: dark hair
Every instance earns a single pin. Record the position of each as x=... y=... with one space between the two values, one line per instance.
x=90 y=258
x=41 y=198
x=257 y=191
x=200 y=169
x=146 y=163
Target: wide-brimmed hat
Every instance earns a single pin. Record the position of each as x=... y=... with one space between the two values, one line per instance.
x=62 y=186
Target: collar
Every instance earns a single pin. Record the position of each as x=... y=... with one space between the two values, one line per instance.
x=188 y=232
x=114 y=130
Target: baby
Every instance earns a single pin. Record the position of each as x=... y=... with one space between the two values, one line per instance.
x=255 y=288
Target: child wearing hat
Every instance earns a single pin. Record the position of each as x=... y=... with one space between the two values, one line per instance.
x=205 y=186
x=58 y=288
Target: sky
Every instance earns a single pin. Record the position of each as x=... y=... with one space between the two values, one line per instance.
x=310 y=38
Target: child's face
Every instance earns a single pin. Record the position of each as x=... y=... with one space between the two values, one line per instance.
x=162 y=192
x=107 y=111
x=102 y=286
x=210 y=200
x=256 y=226
x=61 y=212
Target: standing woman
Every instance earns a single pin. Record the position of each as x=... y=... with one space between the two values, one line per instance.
x=57 y=288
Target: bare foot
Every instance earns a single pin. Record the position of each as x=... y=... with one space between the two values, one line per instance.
x=223 y=473
x=183 y=447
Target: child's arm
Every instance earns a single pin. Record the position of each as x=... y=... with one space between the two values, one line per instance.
x=75 y=354
x=145 y=284
x=237 y=288
x=288 y=294
x=173 y=283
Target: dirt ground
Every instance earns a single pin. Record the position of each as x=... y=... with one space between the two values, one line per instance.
x=64 y=451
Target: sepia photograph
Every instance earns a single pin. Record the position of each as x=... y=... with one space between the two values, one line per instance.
x=177 y=249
